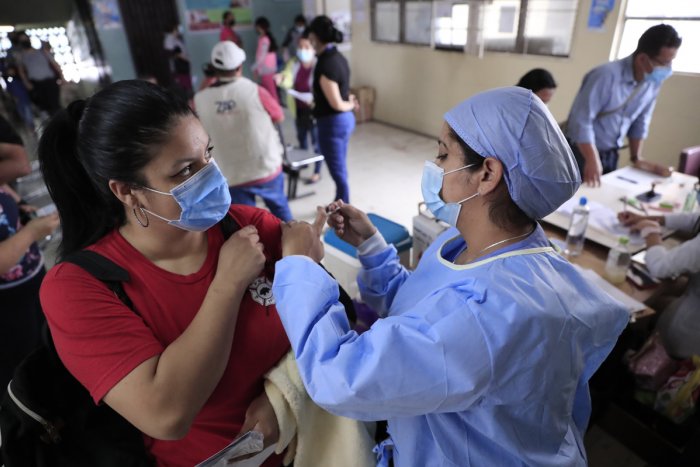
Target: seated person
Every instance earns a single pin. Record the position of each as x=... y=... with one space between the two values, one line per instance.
x=679 y=324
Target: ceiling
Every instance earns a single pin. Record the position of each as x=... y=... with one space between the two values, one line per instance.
x=26 y=12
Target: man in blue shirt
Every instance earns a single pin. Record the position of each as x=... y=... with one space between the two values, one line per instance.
x=616 y=100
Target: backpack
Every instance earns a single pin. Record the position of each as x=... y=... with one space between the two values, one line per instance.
x=48 y=419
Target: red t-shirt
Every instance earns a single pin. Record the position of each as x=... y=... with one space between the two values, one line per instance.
x=100 y=340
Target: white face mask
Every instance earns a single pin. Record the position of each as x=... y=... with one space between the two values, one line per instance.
x=431 y=185
x=305 y=55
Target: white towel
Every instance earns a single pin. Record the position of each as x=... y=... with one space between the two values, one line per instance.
x=312 y=436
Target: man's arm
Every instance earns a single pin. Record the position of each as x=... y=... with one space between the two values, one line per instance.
x=635 y=149
x=592 y=168
x=589 y=102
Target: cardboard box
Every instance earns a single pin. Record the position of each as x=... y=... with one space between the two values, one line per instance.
x=366 y=97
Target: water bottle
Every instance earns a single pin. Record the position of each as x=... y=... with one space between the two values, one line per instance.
x=618 y=262
x=577 y=229
x=691 y=199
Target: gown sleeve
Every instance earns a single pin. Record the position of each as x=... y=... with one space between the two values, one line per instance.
x=433 y=358
x=380 y=278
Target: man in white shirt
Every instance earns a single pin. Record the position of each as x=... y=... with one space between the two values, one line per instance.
x=240 y=118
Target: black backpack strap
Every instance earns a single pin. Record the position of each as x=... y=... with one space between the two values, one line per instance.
x=104 y=270
x=228 y=226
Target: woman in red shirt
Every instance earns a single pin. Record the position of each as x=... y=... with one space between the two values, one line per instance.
x=131 y=173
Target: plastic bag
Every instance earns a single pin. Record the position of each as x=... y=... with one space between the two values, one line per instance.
x=679 y=395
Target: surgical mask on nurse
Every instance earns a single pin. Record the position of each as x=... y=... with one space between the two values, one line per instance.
x=431 y=186
x=204 y=199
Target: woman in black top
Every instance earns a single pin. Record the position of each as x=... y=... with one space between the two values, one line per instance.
x=333 y=102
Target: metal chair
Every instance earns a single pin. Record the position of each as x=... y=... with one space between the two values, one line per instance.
x=689 y=162
x=294 y=160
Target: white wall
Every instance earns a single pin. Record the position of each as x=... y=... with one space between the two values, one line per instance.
x=416 y=85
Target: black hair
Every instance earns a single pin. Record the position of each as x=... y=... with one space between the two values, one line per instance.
x=226 y=14
x=264 y=24
x=300 y=19
x=657 y=37
x=503 y=211
x=537 y=79
x=110 y=136
x=322 y=26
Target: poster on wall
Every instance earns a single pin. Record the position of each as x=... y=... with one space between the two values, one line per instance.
x=205 y=15
x=106 y=14
x=599 y=11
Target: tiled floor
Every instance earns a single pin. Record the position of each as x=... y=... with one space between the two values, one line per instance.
x=385 y=166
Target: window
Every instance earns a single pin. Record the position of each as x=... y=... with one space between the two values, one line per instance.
x=451 y=23
x=545 y=27
x=683 y=15
x=402 y=21
x=534 y=27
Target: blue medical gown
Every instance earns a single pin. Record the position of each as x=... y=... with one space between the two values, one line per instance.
x=485 y=364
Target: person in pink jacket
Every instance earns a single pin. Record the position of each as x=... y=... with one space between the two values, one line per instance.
x=265 y=65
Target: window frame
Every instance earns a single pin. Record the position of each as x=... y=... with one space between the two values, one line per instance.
x=615 y=52
x=520 y=47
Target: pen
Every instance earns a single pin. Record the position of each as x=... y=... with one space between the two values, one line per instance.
x=626 y=179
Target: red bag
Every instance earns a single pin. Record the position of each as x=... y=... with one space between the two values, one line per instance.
x=651 y=365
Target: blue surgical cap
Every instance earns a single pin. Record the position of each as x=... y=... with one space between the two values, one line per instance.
x=515 y=127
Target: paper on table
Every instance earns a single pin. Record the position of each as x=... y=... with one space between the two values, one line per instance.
x=305 y=97
x=633 y=179
x=628 y=302
x=603 y=218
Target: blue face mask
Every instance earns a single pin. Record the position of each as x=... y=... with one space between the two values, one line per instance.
x=305 y=55
x=431 y=185
x=203 y=198
x=658 y=74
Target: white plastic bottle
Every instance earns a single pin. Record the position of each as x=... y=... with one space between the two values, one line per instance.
x=619 y=259
x=577 y=228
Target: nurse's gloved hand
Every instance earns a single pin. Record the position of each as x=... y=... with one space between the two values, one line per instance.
x=349 y=223
x=302 y=238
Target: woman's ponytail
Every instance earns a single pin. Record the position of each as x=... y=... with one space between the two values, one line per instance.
x=79 y=204
x=322 y=26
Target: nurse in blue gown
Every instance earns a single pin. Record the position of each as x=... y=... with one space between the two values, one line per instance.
x=484 y=352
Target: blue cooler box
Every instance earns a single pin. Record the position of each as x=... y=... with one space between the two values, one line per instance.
x=341 y=258
x=393 y=233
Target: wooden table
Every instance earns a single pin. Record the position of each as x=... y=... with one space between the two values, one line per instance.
x=626 y=182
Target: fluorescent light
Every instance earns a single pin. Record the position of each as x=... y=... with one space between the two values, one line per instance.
x=7 y=28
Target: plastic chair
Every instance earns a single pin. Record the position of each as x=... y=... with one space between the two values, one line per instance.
x=293 y=161
x=689 y=162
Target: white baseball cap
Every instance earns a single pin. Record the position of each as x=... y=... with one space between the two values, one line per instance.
x=227 y=56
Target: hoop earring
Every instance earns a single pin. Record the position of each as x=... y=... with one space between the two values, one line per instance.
x=144 y=215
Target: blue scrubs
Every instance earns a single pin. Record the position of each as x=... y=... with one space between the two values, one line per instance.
x=477 y=365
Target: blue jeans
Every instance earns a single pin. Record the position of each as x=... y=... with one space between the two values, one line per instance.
x=333 y=137
x=305 y=131
x=271 y=192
